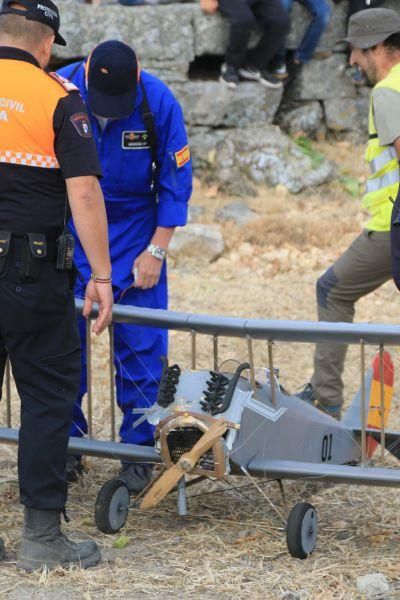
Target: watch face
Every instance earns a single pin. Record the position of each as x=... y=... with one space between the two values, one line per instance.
x=157 y=252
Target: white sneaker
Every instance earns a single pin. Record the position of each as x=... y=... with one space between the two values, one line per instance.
x=250 y=73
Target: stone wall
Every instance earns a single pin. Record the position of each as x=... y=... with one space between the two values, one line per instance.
x=169 y=38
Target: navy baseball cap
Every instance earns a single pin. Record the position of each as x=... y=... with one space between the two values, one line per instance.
x=42 y=11
x=112 y=78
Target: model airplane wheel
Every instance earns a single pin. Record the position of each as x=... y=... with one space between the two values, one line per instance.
x=112 y=506
x=302 y=530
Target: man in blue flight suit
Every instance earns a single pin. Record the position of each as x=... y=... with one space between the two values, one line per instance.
x=147 y=182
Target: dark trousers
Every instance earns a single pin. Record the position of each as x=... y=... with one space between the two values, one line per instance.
x=357 y=5
x=38 y=331
x=244 y=16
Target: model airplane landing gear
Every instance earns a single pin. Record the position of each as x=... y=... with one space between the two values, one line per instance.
x=302 y=530
x=112 y=506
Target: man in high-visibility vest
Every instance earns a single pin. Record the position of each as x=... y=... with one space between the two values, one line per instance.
x=374 y=38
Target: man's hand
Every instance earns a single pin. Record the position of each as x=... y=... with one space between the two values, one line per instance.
x=103 y=295
x=147 y=271
x=209 y=6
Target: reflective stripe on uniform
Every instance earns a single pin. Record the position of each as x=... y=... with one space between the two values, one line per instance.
x=383 y=158
x=28 y=160
x=379 y=183
x=383 y=182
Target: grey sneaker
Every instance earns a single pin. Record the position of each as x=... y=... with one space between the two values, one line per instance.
x=136 y=476
x=307 y=394
x=229 y=76
x=44 y=546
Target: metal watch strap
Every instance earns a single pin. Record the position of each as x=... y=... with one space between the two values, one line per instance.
x=157 y=251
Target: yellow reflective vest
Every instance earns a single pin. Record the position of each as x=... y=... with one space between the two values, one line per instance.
x=383 y=182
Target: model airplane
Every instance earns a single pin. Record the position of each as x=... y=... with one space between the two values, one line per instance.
x=210 y=424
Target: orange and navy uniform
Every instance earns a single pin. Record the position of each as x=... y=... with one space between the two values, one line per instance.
x=45 y=138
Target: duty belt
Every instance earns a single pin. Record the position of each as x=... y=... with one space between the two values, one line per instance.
x=31 y=251
x=40 y=248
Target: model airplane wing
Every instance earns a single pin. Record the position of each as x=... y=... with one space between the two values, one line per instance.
x=282 y=469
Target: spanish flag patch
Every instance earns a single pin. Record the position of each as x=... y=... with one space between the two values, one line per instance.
x=182 y=156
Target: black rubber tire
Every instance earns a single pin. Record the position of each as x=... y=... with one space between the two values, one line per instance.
x=302 y=530
x=112 y=506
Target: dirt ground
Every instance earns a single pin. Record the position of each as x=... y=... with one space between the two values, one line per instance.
x=232 y=545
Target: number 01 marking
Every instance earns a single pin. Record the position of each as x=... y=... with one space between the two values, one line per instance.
x=327 y=447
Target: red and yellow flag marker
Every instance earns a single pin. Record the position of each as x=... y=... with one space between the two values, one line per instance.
x=374 y=420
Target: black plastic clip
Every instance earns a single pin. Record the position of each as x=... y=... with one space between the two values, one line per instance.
x=5 y=240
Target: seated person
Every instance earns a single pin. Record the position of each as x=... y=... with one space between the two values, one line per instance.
x=321 y=12
x=244 y=16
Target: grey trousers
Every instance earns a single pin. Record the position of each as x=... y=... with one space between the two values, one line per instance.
x=361 y=269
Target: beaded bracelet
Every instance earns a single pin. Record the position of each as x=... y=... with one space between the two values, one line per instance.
x=100 y=279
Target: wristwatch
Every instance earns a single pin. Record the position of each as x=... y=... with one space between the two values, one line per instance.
x=157 y=252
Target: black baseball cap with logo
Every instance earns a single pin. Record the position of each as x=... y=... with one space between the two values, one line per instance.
x=112 y=79
x=42 y=11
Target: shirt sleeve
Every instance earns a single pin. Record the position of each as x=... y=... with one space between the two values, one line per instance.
x=175 y=166
x=74 y=145
x=386 y=107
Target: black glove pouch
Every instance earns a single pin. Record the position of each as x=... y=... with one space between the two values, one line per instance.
x=33 y=253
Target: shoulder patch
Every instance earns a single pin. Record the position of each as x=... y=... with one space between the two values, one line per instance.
x=182 y=156
x=82 y=124
x=67 y=85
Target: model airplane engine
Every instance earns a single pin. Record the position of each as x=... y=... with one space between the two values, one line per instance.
x=189 y=403
x=179 y=434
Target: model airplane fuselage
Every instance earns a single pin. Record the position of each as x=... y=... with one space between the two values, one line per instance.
x=211 y=424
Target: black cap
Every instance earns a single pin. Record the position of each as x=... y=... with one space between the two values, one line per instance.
x=113 y=73
x=42 y=11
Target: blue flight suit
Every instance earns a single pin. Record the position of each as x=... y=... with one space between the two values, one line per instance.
x=134 y=212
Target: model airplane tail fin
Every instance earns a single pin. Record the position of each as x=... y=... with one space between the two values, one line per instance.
x=373 y=391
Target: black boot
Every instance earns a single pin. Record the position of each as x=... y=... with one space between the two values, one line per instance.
x=43 y=544
x=136 y=476
x=74 y=468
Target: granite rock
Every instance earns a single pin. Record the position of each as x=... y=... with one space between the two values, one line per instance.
x=210 y=103
x=204 y=242
x=156 y=32
x=238 y=212
x=265 y=155
x=372 y=584
x=305 y=118
x=342 y=114
x=323 y=80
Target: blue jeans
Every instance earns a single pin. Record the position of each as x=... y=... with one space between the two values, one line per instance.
x=132 y=2
x=321 y=12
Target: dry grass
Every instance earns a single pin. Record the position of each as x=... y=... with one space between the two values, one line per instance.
x=231 y=545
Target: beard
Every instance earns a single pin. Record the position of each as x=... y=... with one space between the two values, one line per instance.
x=371 y=75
